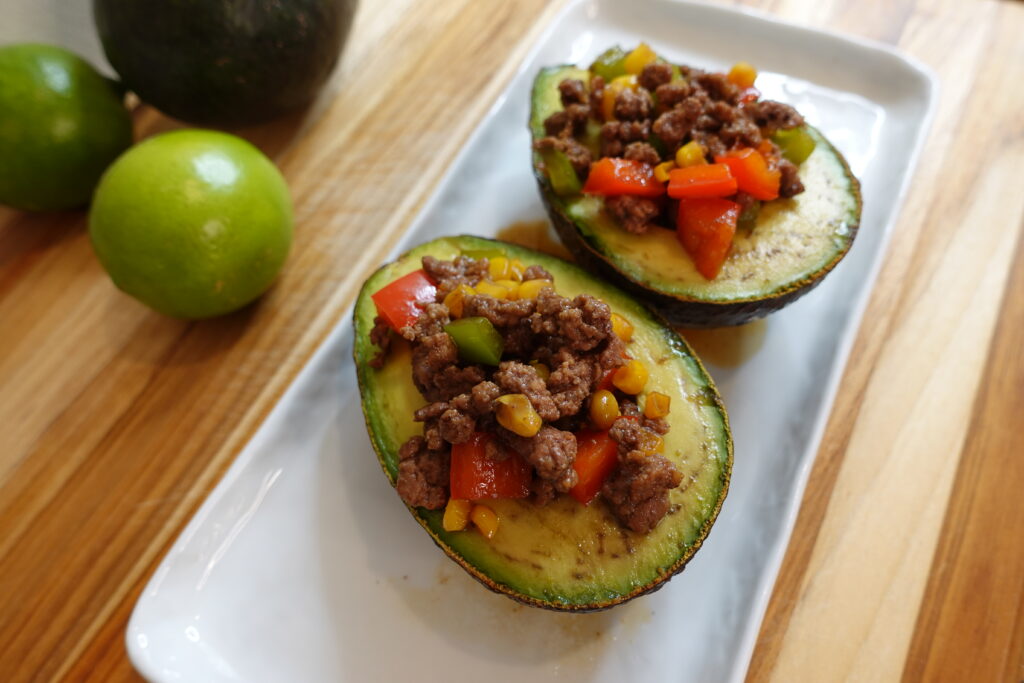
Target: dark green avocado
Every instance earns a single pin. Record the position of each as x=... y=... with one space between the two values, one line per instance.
x=224 y=62
x=793 y=245
x=564 y=556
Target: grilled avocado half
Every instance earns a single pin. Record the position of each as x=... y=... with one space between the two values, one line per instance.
x=793 y=245
x=563 y=556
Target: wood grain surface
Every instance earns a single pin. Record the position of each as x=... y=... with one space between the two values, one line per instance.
x=908 y=555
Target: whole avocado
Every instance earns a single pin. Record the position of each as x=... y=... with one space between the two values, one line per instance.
x=224 y=62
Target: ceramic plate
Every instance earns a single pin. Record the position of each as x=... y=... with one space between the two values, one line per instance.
x=304 y=566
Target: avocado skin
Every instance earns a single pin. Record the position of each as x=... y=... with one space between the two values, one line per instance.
x=679 y=311
x=361 y=353
x=224 y=62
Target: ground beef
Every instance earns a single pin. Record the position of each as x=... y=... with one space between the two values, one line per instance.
x=654 y=75
x=615 y=135
x=673 y=127
x=637 y=491
x=790 y=184
x=543 y=491
x=578 y=154
x=577 y=325
x=719 y=87
x=501 y=312
x=514 y=377
x=633 y=105
x=597 y=97
x=479 y=401
x=551 y=452
x=435 y=372
x=380 y=336
x=641 y=151
x=671 y=94
x=456 y=426
x=772 y=116
x=535 y=272
x=423 y=474
x=571 y=382
x=658 y=425
x=450 y=274
x=572 y=91
x=635 y=214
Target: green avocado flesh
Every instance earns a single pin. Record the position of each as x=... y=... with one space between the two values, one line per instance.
x=564 y=555
x=793 y=244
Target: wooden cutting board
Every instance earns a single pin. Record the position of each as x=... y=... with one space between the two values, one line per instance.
x=908 y=556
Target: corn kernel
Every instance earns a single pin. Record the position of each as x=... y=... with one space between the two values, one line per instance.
x=511 y=286
x=498 y=268
x=485 y=519
x=656 y=405
x=516 y=414
x=622 y=328
x=516 y=268
x=631 y=377
x=649 y=443
x=531 y=288
x=662 y=169
x=542 y=370
x=612 y=91
x=640 y=57
x=603 y=409
x=490 y=289
x=456 y=514
x=742 y=74
x=690 y=154
x=455 y=299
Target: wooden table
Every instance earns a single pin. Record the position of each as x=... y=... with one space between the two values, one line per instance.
x=908 y=556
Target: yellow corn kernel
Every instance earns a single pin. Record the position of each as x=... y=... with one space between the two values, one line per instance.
x=490 y=289
x=742 y=74
x=603 y=409
x=662 y=169
x=622 y=328
x=542 y=370
x=640 y=57
x=456 y=514
x=516 y=414
x=612 y=91
x=485 y=519
x=656 y=405
x=455 y=299
x=531 y=288
x=516 y=268
x=511 y=286
x=650 y=443
x=631 y=377
x=690 y=154
x=498 y=268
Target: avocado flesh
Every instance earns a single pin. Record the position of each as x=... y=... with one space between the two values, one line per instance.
x=793 y=245
x=565 y=556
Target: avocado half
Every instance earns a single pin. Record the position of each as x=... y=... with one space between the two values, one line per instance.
x=793 y=245
x=564 y=556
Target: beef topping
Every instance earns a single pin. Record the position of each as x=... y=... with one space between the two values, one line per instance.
x=654 y=75
x=637 y=491
x=551 y=452
x=635 y=214
x=423 y=474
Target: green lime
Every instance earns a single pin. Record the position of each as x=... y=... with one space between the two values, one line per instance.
x=193 y=223
x=61 y=124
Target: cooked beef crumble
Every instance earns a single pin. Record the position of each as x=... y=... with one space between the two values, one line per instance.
x=574 y=340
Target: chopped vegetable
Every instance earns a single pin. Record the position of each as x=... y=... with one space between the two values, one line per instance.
x=656 y=404
x=542 y=370
x=711 y=180
x=640 y=57
x=662 y=169
x=399 y=303
x=563 y=177
x=474 y=476
x=614 y=176
x=606 y=383
x=622 y=328
x=455 y=299
x=516 y=268
x=796 y=143
x=752 y=173
x=742 y=74
x=604 y=409
x=476 y=339
x=611 y=92
x=516 y=414
x=749 y=95
x=631 y=377
x=610 y=64
x=456 y=514
x=690 y=154
x=531 y=288
x=485 y=519
x=491 y=289
x=596 y=455
x=706 y=228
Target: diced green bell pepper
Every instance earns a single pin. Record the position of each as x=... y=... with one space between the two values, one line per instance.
x=562 y=175
x=610 y=64
x=477 y=340
x=796 y=143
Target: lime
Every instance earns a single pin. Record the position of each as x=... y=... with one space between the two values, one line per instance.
x=61 y=124
x=193 y=223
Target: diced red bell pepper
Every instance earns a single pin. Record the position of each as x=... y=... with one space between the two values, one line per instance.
x=475 y=476
x=613 y=176
x=706 y=228
x=752 y=173
x=705 y=180
x=596 y=455
x=400 y=302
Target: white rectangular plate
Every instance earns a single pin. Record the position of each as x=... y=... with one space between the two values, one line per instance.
x=304 y=566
